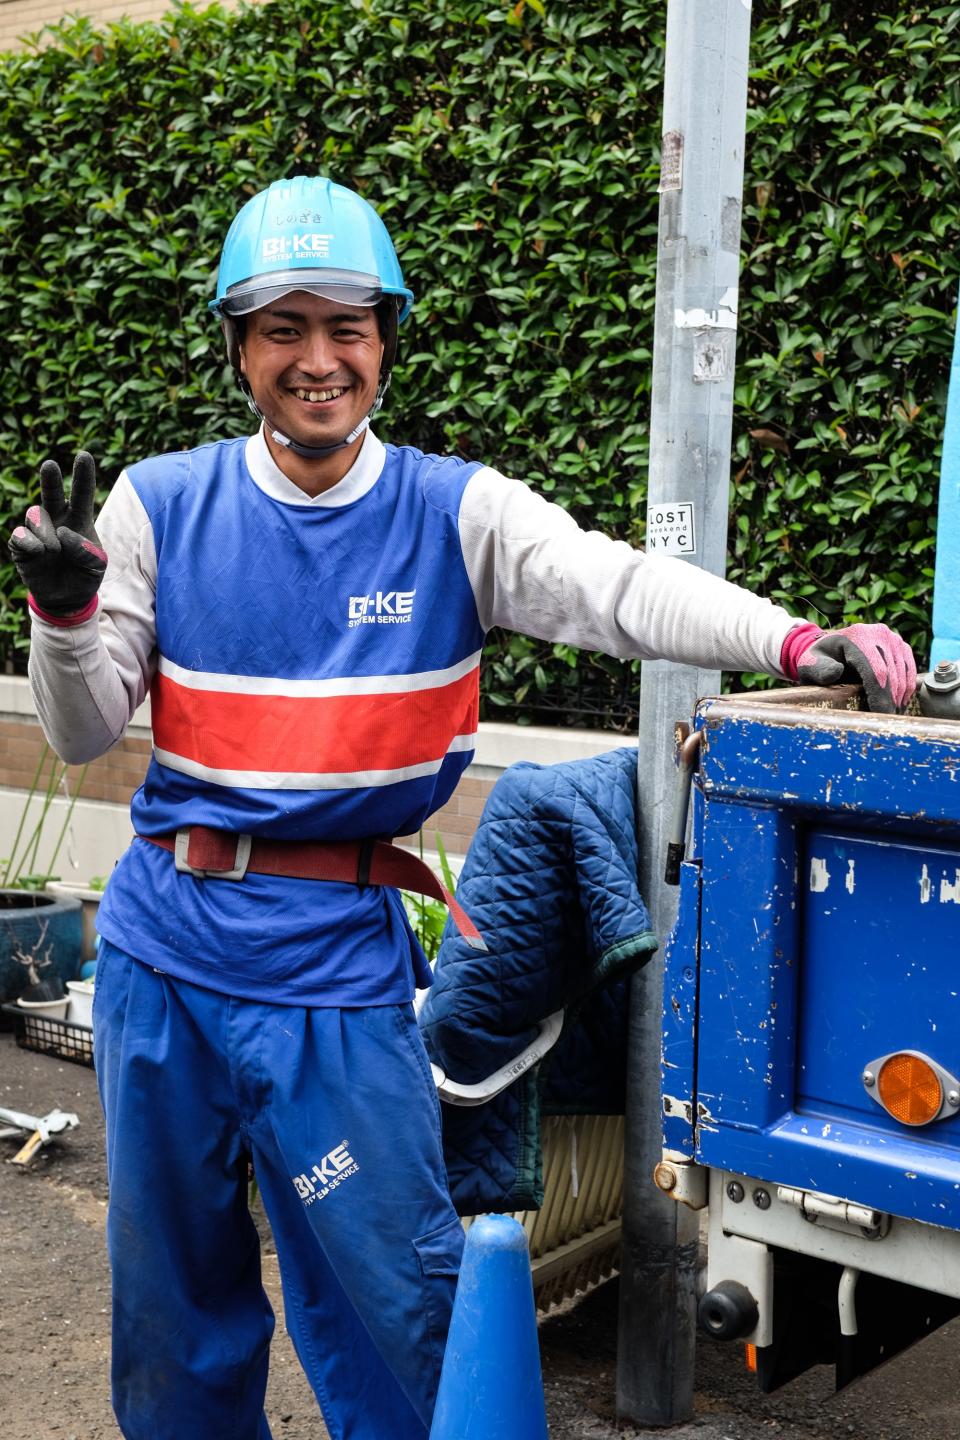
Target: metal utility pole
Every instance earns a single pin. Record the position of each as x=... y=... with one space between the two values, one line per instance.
x=701 y=184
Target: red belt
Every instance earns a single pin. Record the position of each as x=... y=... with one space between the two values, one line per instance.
x=221 y=855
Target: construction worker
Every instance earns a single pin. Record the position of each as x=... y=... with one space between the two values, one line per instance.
x=306 y=609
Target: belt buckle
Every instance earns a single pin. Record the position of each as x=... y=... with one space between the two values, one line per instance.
x=241 y=858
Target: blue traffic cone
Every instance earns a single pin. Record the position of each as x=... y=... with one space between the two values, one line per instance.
x=490 y=1386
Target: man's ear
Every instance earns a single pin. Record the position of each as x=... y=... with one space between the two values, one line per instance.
x=233 y=333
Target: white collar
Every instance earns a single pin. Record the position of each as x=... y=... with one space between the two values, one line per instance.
x=361 y=477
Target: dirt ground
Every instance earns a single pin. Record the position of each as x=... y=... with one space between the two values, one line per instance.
x=55 y=1333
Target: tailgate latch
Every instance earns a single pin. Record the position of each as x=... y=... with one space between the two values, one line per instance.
x=832 y=1213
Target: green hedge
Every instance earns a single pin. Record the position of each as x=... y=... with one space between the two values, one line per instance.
x=514 y=154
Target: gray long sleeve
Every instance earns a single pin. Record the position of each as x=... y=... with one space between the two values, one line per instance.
x=534 y=570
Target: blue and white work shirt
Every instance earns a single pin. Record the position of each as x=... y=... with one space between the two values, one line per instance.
x=313 y=669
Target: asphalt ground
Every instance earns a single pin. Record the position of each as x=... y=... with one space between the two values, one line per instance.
x=55 y=1332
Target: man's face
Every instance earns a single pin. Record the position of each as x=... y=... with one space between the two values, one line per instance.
x=313 y=365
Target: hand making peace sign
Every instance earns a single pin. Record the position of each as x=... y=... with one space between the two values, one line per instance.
x=57 y=550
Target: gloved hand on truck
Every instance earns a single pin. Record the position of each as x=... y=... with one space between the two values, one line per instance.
x=870 y=655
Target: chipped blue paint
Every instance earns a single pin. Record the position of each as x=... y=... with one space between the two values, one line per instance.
x=896 y=772
x=679 y=1016
x=824 y=931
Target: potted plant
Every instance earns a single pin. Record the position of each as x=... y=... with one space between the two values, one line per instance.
x=40 y=932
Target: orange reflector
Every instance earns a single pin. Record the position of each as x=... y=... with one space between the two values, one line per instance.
x=751 y=1357
x=909 y=1089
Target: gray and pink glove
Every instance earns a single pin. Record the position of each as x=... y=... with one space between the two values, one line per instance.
x=870 y=655
x=57 y=550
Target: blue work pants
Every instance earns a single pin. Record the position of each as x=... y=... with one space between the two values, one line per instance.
x=339 y=1114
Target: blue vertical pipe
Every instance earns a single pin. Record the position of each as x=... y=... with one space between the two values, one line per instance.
x=946 y=584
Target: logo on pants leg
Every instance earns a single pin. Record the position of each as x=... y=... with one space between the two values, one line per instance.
x=326 y=1175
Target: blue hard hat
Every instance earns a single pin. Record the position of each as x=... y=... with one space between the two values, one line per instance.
x=308 y=234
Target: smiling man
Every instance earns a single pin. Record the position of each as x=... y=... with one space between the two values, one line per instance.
x=306 y=608
x=315 y=368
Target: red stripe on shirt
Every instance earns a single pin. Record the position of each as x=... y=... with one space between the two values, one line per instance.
x=329 y=735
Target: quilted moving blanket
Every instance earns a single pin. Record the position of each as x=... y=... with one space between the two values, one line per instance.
x=551 y=881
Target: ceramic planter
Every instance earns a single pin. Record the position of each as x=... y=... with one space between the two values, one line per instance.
x=40 y=934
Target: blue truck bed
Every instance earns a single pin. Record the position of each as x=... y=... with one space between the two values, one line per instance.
x=818 y=934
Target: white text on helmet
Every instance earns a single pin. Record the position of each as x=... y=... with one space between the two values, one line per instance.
x=306 y=243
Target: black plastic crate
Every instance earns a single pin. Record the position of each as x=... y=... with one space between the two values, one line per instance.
x=62 y=1038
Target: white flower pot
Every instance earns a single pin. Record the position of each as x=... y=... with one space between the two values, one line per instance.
x=47 y=1009
x=80 y=994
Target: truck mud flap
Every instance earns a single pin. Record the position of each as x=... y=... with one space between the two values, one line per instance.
x=890 y=1317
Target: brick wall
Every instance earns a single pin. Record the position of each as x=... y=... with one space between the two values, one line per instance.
x=457 y=820
x=114 y=777
x=19 y=18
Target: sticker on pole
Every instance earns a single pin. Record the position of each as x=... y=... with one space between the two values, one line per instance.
x=671 y=163
x=670 y=529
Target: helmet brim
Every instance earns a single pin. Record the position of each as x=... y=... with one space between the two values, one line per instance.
x=348 y=287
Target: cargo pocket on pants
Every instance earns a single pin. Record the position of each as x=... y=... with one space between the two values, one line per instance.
x=438 y=1254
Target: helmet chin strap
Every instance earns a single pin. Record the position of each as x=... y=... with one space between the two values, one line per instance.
x=315 y=452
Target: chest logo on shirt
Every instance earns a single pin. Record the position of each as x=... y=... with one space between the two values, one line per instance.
x=385 y=607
